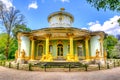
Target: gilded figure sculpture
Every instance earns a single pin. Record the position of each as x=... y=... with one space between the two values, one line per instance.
x=16 y=54
x=72 y=58
x=97 y=54
x=47 y=57
x=105 y=54
x=22 y=56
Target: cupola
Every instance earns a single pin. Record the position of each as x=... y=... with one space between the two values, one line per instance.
x=60 y=19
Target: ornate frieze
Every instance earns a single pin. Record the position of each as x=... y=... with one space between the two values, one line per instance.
x=58 y=35
x=70 y=34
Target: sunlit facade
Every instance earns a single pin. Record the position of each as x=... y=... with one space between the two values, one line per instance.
x=61 y=41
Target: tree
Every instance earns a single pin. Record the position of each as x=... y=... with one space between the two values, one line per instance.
x=3 y=37
x=116 y=50
x=20 y=28
x=113 y=5
x=10 y=19
x=12 y=49
x=109 y=44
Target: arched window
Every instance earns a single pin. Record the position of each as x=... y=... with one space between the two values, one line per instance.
x=50 y=48
x=80 y=50
x=60 y=50
x=68 y=48
x=40 y=50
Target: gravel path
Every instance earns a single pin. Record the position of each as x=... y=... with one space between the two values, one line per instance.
x=13 y=74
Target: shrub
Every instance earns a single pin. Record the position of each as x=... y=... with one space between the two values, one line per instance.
x=2 y=57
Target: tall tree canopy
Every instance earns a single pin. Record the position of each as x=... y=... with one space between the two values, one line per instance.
x=109 y=44
x=116 y=51
x=13 y=21
x=3 y=37
x=113 y=5
x=12 y=49
x=20 y=28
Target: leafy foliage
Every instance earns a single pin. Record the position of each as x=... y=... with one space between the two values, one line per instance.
x=113 y=5
x=10 y=19
x=109 y=44
x=13 y=46
x=2 y=57
x=20 y=28
x=116 y=50
x=3 y=41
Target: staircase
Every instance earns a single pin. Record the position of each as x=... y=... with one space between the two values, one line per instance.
x=60 y=59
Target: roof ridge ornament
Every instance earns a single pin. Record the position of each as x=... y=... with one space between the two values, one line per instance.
x=62 y=9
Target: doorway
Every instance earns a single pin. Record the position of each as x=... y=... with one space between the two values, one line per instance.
x=59 y=50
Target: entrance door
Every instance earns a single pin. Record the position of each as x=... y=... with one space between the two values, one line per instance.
x=80 y=51
x=60 y=50
x=40 y=50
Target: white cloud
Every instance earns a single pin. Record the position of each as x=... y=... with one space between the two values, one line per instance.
x=65 y=0
x=33 y=5
x=7 y=3
x=110 y=26
x=84 y=28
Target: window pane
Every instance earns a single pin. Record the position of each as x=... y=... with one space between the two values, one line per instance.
x=50 y=48
x=40 y=50
x=80 y=51
x=68 y=48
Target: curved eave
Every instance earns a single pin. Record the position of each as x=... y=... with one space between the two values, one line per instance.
x=61 y=13
x=60 y=28
x=101 y=33
x=75 y=31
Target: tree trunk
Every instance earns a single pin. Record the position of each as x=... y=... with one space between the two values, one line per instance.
x=7 y=46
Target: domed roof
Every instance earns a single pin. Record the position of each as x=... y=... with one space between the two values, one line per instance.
x=61 y=12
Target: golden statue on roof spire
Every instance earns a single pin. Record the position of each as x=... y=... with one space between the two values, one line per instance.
x=62 y=9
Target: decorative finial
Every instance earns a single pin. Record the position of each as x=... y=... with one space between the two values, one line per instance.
x=62 y=9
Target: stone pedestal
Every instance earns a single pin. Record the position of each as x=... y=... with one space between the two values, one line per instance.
x=72 y=58
x=20 y=60
x=47 y=58
x=100 y=61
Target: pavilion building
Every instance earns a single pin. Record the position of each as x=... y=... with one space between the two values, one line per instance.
x=60 y=41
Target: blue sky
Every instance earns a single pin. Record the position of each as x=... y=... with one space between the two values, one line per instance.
x=37 y=11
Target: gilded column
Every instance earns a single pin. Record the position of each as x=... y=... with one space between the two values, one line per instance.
x=71 y=45
x=47 y=45
x=71 y=42
x=32 y=49
x=87 y=48
x=19 y=43
x=101 y=46
x=19 y=47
